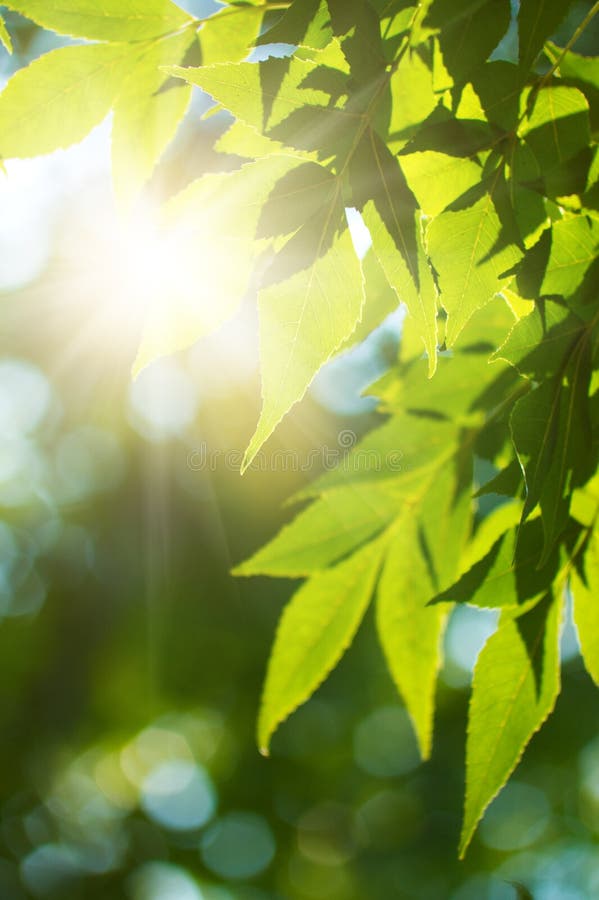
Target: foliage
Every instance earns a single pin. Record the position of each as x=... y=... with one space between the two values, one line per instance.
x=478 y=181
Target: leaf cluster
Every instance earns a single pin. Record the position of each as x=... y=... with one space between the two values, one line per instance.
x=478 y=181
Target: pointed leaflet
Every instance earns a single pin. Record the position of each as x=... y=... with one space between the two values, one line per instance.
x=507 y=574
x=206 y=227
x=391 y=216
x=537 y=20
x=585 y=590
x=516 y=683
x=5 y=36
x=552 y=436
x=60 y=97
x=146 y=116
x=470 y=253
x=279 y=98
x=105 y=20
x=331 y=527
x=380 y=300
x=410 y=631
x=302 y=323
x=306 y=23
x=315 y=629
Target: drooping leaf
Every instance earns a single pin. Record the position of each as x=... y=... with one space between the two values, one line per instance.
x=315 y=629
x=507 y=575
x=537 y=20
x=585 y=589
x=57 y=99
x=105 y=20
x=5 y=38
x=147 y=113
x=423 y=553
x=515 y=686
x=391 y=216
x=303 y=321
x=330 y=528
x=471 y=255
x=551 y=432
x=409 y=631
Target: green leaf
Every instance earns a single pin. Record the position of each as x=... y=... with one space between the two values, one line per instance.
x=330 y=528
x=437 y=179
x=409 y=99
x=516 y=683
x=585 y=588
x=105 y=20
x=574 y=246
x=498 y=85
x=552 y=436
x=467 y=24
x=356 y=24
x=380 y=300
x=243 y=140
x=303 y=321
x=5 y=38
x=315 y=629
x=391 y=216
x=507 y=575
x=426 y=545
x=471 y=256
x=537 y=20
x=147 y=114
x=557 y=126
x=306 y=23
x=57 y=99
x=209 y=224
x=539 y=342
x=581 y=72
x=281 y=98
x=409 y=631
x=228 y=35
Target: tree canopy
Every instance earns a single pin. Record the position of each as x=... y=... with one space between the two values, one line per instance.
x=475 y=171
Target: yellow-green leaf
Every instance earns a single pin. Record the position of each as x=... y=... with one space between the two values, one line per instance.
x=516 y=683
x=585 y=589
x=147 y=113
x=105 y=20
x=302 y=323
x=316 y=628
x=56 y=100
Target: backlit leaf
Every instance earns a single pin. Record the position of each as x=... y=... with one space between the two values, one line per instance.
x=516 y=683
x=105 y=20
x=57 y=99
x=471 y=255
x=316 y=628
x=585 y=589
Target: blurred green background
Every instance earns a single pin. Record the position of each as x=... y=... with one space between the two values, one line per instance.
x=131 y=661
